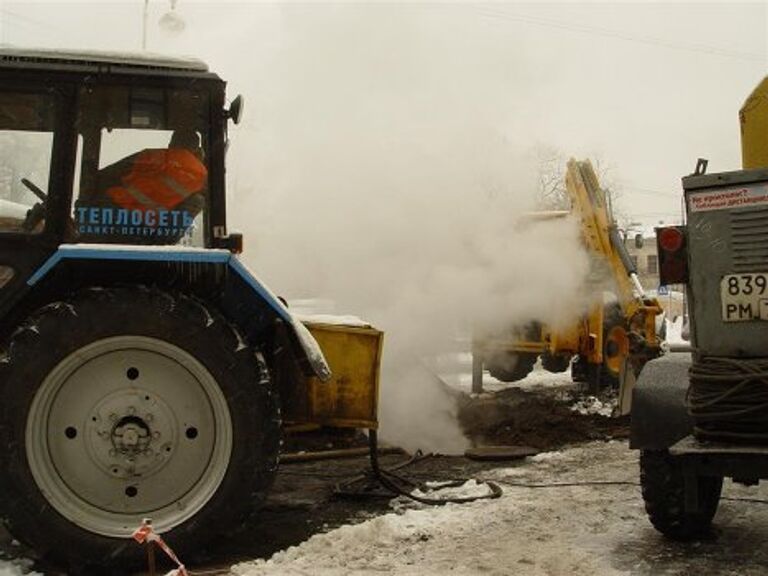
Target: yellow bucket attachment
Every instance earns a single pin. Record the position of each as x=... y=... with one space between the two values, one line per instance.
x=350 y=398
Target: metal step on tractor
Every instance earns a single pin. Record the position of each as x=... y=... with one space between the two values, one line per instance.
x=702 y=416
x=144 y=370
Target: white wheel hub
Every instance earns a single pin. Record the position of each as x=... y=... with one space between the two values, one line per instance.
x=126 y=428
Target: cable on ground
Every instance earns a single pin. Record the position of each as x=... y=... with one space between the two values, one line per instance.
x=396 y=485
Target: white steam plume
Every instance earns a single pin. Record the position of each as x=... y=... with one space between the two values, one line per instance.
x=385 y=174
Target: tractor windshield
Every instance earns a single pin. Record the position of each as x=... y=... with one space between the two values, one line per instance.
x=143 y=171
x=26 y=143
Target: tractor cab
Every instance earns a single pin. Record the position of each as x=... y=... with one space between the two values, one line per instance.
x=108 y=149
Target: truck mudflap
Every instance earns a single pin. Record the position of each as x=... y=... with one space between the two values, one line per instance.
x=308 y=353
x=659 y=414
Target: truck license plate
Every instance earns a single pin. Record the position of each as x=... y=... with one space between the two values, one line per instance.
x=744 y=297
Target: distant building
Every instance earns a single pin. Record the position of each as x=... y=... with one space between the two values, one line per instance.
x=642 y=251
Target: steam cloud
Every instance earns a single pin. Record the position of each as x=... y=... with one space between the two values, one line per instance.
x=382 y=168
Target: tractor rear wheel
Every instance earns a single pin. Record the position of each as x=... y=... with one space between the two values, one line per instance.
x=663 y=490
x=122 y=404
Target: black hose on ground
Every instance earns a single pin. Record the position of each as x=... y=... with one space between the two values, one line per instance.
x=395 y=484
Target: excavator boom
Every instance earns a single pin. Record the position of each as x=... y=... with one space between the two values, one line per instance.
x=607 y=339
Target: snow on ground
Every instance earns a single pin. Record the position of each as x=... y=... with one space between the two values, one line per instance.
x=577 y=530
x=16 y=567
x=456 y=371
x=527 y=531
x=674 y=333
x=593 y=405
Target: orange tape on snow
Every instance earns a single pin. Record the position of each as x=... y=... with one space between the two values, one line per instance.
x=144 y=534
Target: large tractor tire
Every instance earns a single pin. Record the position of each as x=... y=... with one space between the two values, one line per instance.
x=664 y=495
x=121 y=404
x=510 y=366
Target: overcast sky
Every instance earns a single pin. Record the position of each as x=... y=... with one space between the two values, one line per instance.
x=645 y=87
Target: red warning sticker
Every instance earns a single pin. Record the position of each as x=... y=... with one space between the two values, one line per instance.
x=726 y=198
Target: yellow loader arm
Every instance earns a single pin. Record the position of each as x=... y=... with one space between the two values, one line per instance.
x=602 y=238
x=625 y=346
x=607 y=340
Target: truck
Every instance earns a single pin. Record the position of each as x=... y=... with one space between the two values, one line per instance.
x=614 y=339
x=700 y=416
x=145 y=371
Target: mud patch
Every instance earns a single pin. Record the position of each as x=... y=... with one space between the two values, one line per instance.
x=540 y=419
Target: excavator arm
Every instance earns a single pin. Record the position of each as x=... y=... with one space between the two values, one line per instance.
x=605 y=338
x=635 y=338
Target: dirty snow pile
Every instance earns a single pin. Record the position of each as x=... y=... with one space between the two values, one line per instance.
x=592 y=405
x=17 y=567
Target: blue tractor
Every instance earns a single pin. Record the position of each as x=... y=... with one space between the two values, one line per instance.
x=141 y=363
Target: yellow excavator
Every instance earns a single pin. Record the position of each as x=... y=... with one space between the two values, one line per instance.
x=613 y=340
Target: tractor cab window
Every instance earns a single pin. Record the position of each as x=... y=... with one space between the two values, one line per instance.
x=142 y=173
x=26 y=144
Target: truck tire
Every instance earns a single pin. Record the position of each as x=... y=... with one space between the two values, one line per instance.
x=126 y=403
x=510 y=366
x=664 y=495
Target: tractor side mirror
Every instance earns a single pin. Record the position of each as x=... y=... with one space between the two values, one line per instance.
x=638 y=240
x=235 y=111
x=233 y=242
